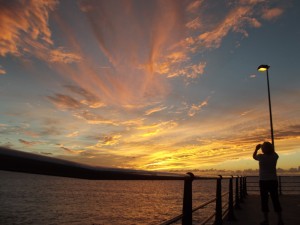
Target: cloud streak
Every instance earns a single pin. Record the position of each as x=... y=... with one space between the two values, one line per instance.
x=2 y=71
x=22 y=21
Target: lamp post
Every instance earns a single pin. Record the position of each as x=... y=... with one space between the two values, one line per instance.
x=263 y=68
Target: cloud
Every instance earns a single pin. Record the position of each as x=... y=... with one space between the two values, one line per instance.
x=29 y=143
x=132 y=78
x=22 y=23
x=271 y=14
x=157 y=128
x=195 y=108
x=89 y=99
x=194 y=24
x=246 y=112
x=190 y=71
x=60 y=55
x=68 y=150
x=50 y=131
x=25 y=31
x=133 y=122
x=154 y=110
x=233 y=21
x=93 y=118
x=194 y=5
x=64 y=101
x=2 y=71
x=73 y=134
x=288 y=132
x=110 y=140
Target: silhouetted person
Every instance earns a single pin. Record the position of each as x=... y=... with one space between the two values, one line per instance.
x=268 y=180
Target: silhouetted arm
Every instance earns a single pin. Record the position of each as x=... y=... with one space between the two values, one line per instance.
x=255 y=151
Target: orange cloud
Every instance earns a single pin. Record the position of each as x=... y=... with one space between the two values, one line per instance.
x=271 y=14
x=107 y=141
x=195 y=108
x=2 y=71
x=20 y=19
x=234 y=21
x=60 y=55
x=193 y=6
x=157 y=128
x=154 y=110
x=194 y=24
x=25 y=30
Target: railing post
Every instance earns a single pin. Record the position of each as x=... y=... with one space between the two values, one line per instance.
x=218 y=218
x=187 y=200
x=231 y=216
x=245 y=187
x=241 y=190
x=237 y=192
x=279 y=184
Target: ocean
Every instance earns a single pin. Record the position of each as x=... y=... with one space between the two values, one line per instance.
x=47 y=200
x=42 y=200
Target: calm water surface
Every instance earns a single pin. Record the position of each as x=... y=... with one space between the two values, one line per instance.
x=39 y=199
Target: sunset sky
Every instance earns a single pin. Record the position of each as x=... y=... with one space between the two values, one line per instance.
x=152 y=85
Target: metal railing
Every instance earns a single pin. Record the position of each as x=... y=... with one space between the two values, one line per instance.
x=286 y=184
x=12 y=160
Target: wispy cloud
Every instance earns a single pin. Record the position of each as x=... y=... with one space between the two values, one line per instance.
x=29 y=143
x=84 y=99
x=64 y=101
x=157 y=128
x=89 y=99
x=273 y=13
x=22 y=22
x=234 y=21
x=93 y=118
x=25 y=31
x=61 y=55
x=2 y=70
x=154 y=110
x=110 y=140
x=195 y=108
x=194 y=6
x=69 y=150
x=73 y=134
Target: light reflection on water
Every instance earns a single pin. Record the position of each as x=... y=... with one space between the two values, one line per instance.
x=38 y=199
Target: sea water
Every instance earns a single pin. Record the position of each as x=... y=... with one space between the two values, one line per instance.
x=42 y=200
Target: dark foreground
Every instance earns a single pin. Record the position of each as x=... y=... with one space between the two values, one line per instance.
x=250 y=213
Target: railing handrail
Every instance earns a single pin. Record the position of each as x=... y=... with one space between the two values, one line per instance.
x=281 y=184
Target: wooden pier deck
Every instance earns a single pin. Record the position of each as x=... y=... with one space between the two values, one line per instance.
x=250 y=213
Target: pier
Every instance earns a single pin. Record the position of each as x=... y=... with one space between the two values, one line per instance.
x=250 y=213
x=236 y=200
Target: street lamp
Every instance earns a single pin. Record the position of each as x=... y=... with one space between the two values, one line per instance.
x=263 y=68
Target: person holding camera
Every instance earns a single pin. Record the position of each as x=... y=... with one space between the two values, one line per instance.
x=268 y=182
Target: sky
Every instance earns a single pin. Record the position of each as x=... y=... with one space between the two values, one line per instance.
x=151 y=85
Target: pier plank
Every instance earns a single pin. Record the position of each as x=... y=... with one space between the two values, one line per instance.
x=250 y=214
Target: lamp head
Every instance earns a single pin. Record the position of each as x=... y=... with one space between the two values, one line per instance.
x=262 y=68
